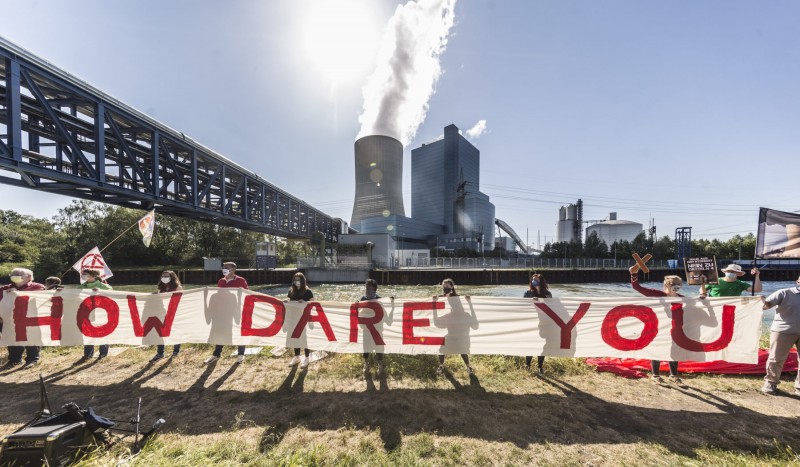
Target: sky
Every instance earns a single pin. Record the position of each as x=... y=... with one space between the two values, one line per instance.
x=683 y=112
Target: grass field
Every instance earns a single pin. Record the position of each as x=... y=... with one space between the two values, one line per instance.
x=263 y=412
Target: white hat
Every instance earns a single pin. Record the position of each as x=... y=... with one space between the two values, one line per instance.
x=734 y=268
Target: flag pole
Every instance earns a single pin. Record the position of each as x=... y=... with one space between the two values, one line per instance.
x=104 y=248
x=755 y=252
x=119 y=236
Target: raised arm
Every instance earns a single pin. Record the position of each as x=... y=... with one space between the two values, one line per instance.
x=756 y=288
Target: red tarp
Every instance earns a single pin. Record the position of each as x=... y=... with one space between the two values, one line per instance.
x=633 y=368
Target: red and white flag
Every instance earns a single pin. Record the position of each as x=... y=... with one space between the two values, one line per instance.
x=147 y=225
x=93 y=260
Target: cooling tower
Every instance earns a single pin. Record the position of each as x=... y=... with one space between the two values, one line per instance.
x=379 y=178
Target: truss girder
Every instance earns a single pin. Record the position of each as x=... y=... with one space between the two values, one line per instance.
x=61 y=135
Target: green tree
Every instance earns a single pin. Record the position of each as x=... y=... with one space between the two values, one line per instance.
x=595 y=247
x=664 y=248
x=641 y=244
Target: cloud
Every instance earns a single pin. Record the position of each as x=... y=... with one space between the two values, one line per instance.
x=407 y=69
x=477 y=130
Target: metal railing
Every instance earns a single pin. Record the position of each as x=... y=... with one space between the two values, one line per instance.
x=478 y=263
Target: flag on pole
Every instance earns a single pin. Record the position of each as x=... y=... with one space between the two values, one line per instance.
x=778 y=234
x=93 y=260
x=147 y=225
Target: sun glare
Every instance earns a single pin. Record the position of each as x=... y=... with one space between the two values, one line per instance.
x=341 y=38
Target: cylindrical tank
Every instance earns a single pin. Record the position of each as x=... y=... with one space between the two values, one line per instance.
x=572 y=212
x=562 y=213
x=565 y=231
x=379 y=178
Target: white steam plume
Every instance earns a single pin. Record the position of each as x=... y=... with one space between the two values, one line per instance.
x=407 y=69
x=477 y=130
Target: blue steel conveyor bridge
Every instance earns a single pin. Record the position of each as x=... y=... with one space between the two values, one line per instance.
x=61 y=135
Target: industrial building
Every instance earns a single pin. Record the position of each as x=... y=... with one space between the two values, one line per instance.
x=445 y=184
x=447 y=208
x=612 y=229
x=379 y=178
x=570 y=223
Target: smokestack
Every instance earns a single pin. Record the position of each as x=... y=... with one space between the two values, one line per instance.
x=379 y=178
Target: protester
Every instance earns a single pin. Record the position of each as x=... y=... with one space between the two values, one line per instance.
x=300 y=292
x=537 y=289
x=90 y=279
x=730 y=285
x=229 y=280
x=784 y=333
x=22 y=281
x=53 y=283
x=672 y=284
x=371 y=293
x=449 y=290
x=169 y=283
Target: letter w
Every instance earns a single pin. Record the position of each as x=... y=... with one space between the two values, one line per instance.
x=164 y=328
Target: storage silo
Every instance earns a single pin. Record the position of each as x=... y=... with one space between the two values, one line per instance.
x=379 y=178
x=614 y=229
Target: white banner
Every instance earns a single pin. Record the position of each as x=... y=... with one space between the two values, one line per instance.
x=682 y=329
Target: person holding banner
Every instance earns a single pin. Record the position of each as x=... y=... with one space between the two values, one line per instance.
x=22 y=281
x=53 y=283
x=300 y=292
x=672 y=284
x=538 y=289
x=783 y=334
x=169 y=283
x=229 y=280
x=371 y=293
x=449 y=290
x=730 y=285
x=90 y=279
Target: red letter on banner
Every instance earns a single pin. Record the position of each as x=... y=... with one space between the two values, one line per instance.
x=409 y=323
x=247 y=316
x=162 y=329
x=22 y=321
x=566 y=328
x=680 y=337
x=319 y=318
x=646 y=315
x=370 y=323
x=92 y=303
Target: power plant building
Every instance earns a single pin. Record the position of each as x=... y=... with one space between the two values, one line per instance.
x=445 y=184
x=448 y=210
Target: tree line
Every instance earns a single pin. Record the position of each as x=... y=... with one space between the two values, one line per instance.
x=50 y=247
x=663 y=248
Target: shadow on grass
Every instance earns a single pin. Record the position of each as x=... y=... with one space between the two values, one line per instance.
x=566 y=415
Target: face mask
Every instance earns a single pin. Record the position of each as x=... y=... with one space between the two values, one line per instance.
x=731 y=275
x=225 y=272
x=166 y=280
x=298 y=284
x=447 y=289
x=16 y=279
x=675 y=288
x=85 y=278
x=535 y=283
x=369 y=293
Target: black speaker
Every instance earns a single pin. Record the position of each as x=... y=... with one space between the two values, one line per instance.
x=52 y=445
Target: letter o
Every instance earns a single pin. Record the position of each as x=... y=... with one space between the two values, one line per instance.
x=646 y=315
x=98 y=302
